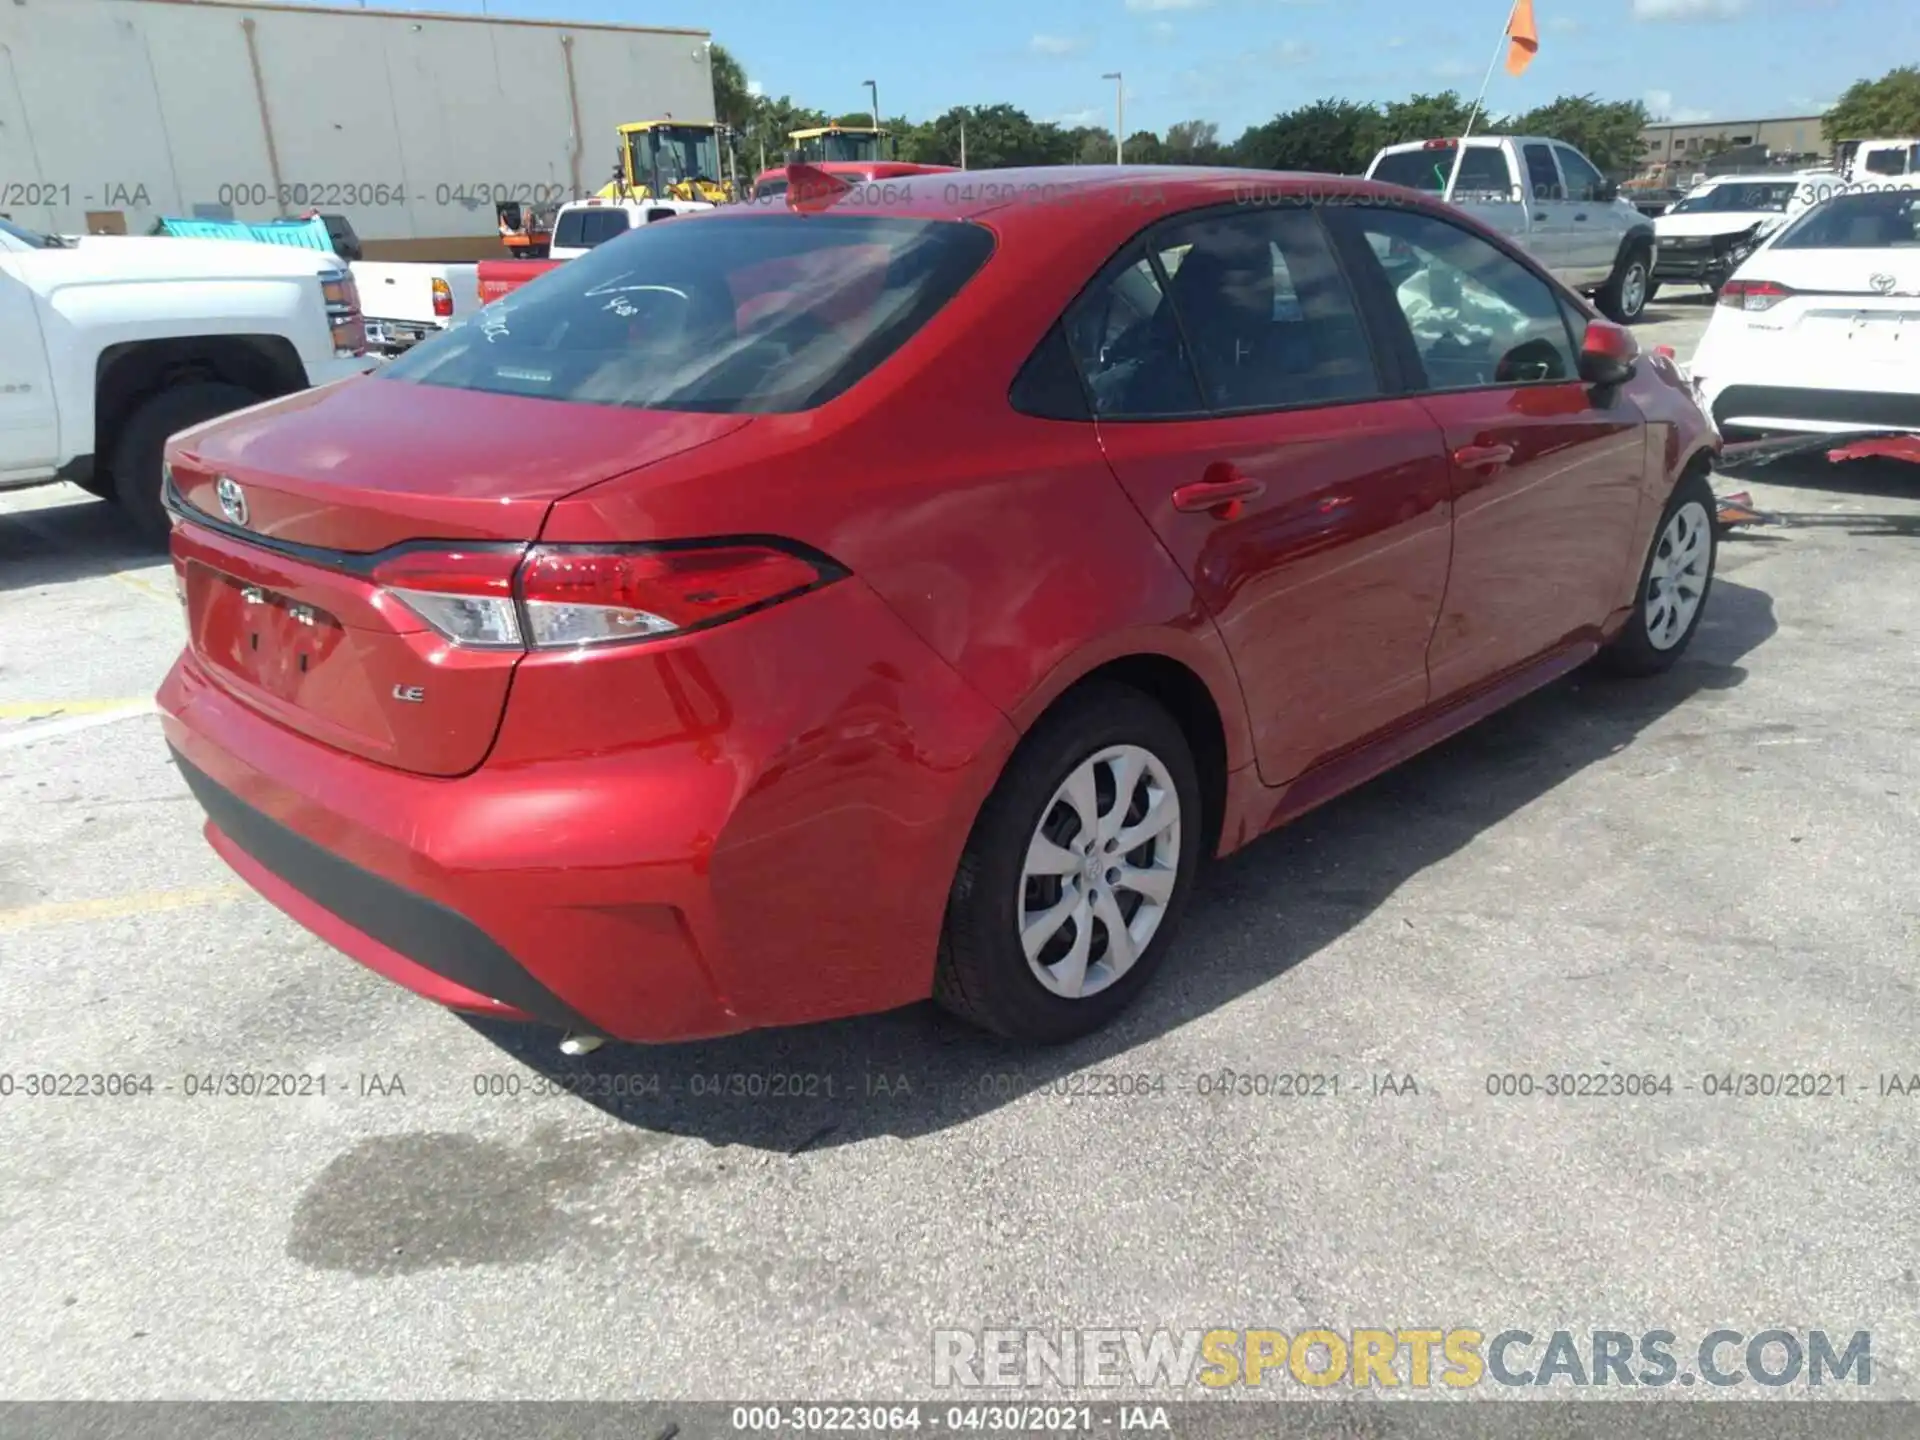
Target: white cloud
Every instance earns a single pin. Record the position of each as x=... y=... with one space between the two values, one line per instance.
x=1073 y=118
x=1662 y=10
x=1056 y=45
x=1450 y=69
x=754 y=87
x=1564 y=25
x=1395 y=42
x=1291 y=52
x=1661 y=107
x=1168 y=4
x=1163 y=29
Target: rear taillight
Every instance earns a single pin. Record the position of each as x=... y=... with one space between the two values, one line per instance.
x=466 y=595
x=566 y=596
x=1753 y=295
x=342 y=298
x=585 y=595
x=442 y=298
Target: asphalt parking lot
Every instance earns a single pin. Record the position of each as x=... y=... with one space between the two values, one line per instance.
x=1704 y=874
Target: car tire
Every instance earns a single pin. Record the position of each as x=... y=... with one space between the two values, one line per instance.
x=1034 y=822
x=1672 y=593
x=1623 y=299
x=1653 y=289
x=136 y=459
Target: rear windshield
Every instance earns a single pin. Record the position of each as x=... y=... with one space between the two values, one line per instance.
x=1872 y=220
x=749 y=315
x=583 y=229
x=1482 y=169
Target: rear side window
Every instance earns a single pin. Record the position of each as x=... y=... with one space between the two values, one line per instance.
x=1251 y=303
x=1871 y=220
x=1483 y=170
x=748 y=314
x=583 y=229
x=1542 y=174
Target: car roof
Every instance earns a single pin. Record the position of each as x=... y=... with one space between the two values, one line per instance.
x=1061 y=190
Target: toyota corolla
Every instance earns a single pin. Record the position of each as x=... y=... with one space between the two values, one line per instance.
x=790 y=613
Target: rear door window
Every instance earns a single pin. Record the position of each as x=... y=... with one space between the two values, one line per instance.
x=748 y=313
x=1542 y=174
x=1250 y=304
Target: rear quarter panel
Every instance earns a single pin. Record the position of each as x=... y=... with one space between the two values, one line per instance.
x=1002 y=540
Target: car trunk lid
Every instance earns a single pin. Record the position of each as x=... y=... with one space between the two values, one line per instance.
x=306 y=506
x=1856 y=311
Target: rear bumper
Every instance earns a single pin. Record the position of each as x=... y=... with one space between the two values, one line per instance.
x=768 y=840
x=1810 y=409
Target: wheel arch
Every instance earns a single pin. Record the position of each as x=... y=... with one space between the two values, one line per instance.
x=1197 y=688
x=128 y=374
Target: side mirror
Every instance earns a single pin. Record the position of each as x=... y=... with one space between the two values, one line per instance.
x=1609 y=190
x=1609 y=354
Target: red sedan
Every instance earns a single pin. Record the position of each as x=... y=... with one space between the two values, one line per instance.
x=775 y=615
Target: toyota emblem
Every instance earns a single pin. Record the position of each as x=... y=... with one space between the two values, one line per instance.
x=233 y=500
x=1882 y=282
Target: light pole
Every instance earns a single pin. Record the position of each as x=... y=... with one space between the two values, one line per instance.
x=1119 y=120
x=873 y=94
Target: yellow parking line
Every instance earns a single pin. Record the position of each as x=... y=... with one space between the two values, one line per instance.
x=48 y=709
x=146 y=587
x=115 y=907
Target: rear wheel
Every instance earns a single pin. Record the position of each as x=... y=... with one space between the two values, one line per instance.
x=1624 y=297
x=136 y=459
x=1076 y=871
x=1674 y=583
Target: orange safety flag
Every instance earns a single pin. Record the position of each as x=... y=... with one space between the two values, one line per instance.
x=1523 y=41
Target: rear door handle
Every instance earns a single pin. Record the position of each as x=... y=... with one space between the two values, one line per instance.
x=1541 y=216
x=1474 y=457
x=1219 y=492
x=1581 y=216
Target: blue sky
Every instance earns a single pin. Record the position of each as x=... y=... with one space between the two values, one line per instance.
x=1237 y=62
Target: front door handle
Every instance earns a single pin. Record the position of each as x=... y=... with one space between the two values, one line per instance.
x=1541 y=216
x=1581 y=216
x=1475 y=457
x=1218 y=492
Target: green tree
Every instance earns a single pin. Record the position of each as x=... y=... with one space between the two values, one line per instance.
x=1337 y=136
x=998 y=136
x=732 y=105
x=1886 y=108
x=1607 y=132
x=1427 y=117
x=1194 y=142
x=853 y=117
x=1093 y=145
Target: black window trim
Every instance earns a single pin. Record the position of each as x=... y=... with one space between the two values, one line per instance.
x=1390 y=374
x=1347 y=228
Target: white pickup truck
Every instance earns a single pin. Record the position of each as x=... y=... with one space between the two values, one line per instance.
x=110 y=344
x=406 y=301
x=1548 y=198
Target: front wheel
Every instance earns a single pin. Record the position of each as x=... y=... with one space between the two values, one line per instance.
x=1076 y=871
x=1623 y=299
x=1674 y=583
